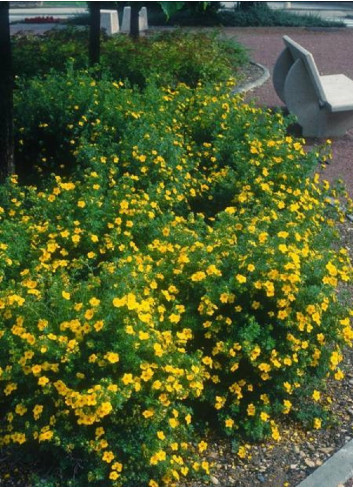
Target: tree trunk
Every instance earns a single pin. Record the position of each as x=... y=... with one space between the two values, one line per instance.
x=135 y=31
x=94 y=32
x=6 y=96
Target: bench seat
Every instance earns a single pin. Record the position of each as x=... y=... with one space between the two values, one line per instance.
x=338 y=90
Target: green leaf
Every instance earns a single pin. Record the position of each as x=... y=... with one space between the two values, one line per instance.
x=169 y=8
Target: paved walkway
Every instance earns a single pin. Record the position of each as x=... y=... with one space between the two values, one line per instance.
x=333 y=52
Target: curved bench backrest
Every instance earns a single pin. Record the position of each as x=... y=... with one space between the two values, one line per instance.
x=298 y=52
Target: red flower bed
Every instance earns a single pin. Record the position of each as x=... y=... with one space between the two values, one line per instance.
x=42 y=20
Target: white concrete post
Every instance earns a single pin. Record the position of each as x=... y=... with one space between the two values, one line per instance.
x=143 y=21
x=126 y=23
x=110 y=21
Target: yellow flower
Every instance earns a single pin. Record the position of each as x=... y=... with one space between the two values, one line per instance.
x=98 y=325
x=240 y=278
x=148 y=413
x=241 y=452
x=37 y=411
x=94 y=302
x=317 y=423
x=264 y=416
x=229 y=423
x=99 y=431
x=198 y=276
x=255 y=352
x=157 y=384
x=158 y=350
x=36 y=369
x=43 y=381
x=119 y=302
x=46 y=436
x=161 y=435
x=173 y=422
x=213 y=270
x=251 y=410
x=320 y=338
x=113 y=475
x=275 y=433
x=202 y=446
x=104 y=409
x=158 y=457
x=174 y=318
x=287 y=406
x=220 y=401
x=81 y=203
x=339 y=375
x=131 y=302
x=89 y=314
x=113 y=388
x=117 y=466
x=127 y=379
x=108 y=457
x=20 y=409
x=207 y=361
x=335 y=358
x=19 y=438
x=316 y=395
x=112 y=357
x=66 y=295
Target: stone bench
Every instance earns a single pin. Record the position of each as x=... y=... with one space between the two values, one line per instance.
x=322 y=104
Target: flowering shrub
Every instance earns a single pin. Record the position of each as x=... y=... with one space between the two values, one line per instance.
x=183 y=273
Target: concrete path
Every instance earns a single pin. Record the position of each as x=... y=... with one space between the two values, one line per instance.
x=335 y=471
x=333 y=52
